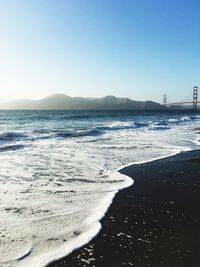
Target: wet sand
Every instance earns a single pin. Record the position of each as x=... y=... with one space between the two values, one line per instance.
x=155 y=222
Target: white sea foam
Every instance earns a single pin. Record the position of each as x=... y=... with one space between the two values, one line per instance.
x=54 y=192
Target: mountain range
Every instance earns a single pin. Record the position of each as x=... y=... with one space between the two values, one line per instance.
x=65 y=102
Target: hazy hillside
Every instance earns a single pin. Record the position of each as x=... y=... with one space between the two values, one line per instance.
x=61 y=101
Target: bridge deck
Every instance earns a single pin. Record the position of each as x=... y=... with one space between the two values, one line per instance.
x=182 y=103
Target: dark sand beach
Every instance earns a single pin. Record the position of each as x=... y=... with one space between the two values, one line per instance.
x=155 y=222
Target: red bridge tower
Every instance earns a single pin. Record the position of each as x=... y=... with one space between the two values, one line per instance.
x=195 y=97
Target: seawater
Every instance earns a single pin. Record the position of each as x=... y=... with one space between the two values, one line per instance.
x=58 y=173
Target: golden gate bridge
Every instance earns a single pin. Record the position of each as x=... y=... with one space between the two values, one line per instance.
x=194 y=101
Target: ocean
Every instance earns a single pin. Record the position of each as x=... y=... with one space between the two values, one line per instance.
x=59 y=173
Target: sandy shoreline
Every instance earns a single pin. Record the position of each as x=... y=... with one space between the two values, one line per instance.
x=155 y=222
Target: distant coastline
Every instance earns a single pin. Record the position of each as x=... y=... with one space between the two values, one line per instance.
x=65 y=102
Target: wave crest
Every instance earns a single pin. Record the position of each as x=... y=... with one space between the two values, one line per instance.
x=5 y=136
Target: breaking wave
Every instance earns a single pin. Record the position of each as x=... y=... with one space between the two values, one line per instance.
x=11 y=136
x=95 y=131
x=11 y=147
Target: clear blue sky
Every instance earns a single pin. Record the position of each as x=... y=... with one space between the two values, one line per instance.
x=134 y=48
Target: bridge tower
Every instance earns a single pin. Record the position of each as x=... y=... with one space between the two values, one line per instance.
x=195 y=97
x=164 y=101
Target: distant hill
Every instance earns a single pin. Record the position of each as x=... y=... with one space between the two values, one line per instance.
x=62 y=102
